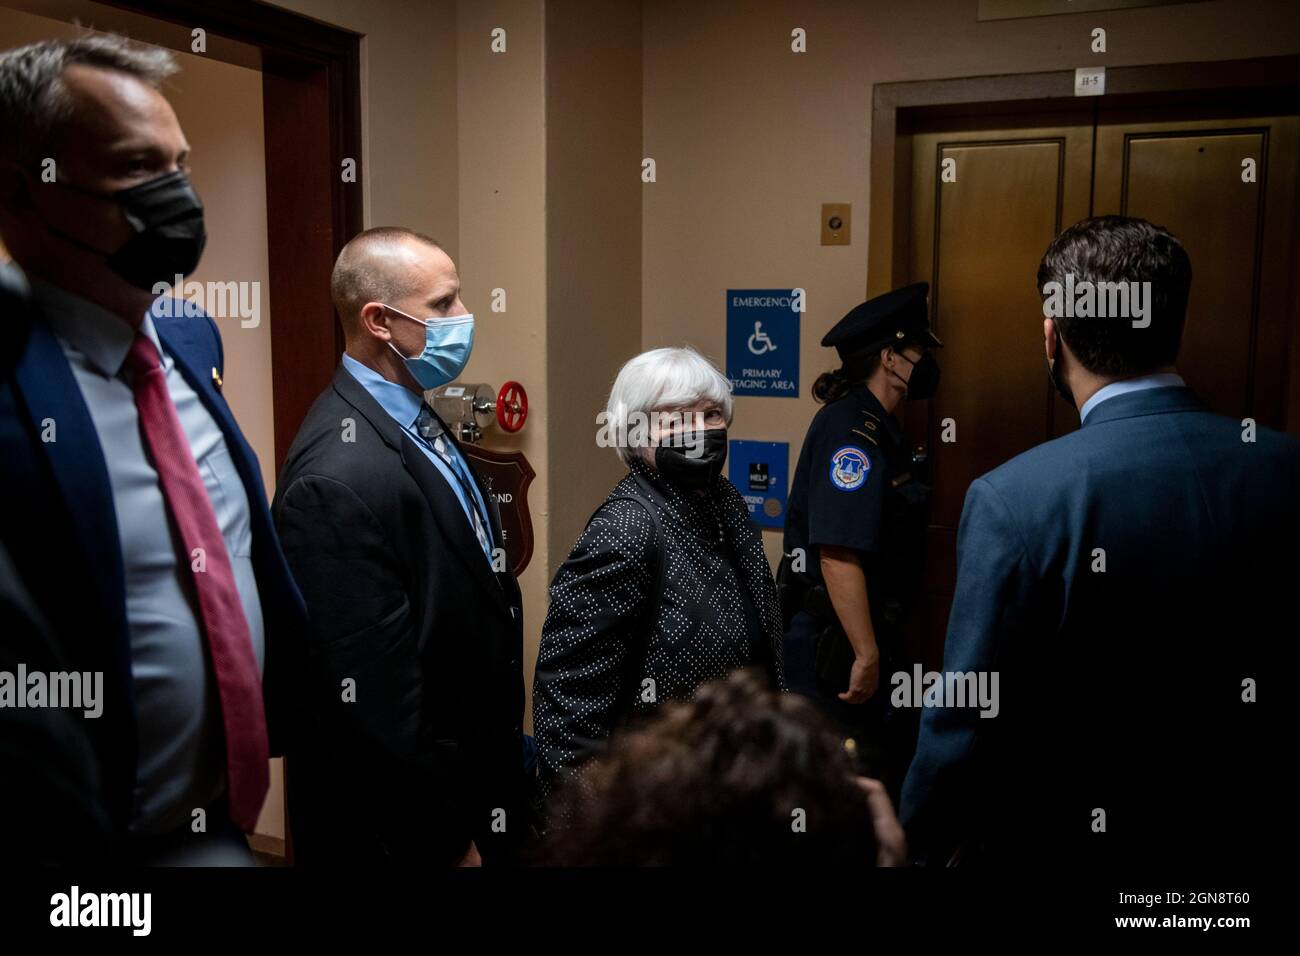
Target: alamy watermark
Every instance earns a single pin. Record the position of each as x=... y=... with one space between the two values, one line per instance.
x=75 y=690
x=221 y=300
x=1085 y=299
x=949 y=689
x=133 y=911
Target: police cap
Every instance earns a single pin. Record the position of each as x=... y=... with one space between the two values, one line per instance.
x=896 y=316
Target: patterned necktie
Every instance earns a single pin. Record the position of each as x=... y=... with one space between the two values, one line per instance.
x=221 y=615
x=430 y=430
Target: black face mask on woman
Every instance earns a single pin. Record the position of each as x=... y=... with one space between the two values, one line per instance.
x=924 y=380
x=167 y=231
x=677 y=465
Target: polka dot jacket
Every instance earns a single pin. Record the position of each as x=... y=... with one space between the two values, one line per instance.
x=607 y=654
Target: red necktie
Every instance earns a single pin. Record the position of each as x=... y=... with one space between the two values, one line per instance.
x=229 y=644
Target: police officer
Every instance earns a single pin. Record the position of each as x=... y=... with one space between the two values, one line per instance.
x=855 y=525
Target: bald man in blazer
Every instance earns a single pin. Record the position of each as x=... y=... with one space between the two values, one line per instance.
x=415 y=754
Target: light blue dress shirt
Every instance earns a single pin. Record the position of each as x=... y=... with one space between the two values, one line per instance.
x=403 y=406
x=1114 y=389
x=182 y=760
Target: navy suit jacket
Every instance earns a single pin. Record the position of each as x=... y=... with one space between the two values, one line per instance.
x=58 y=522
x=1123 y=581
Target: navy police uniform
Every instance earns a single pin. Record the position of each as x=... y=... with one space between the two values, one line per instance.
x=858 y=485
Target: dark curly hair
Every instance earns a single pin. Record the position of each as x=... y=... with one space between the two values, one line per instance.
x=741 y=774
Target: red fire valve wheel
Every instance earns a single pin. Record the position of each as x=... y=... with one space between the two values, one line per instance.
x=512 y=406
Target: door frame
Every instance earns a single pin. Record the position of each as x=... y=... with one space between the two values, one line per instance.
x=1271 y=85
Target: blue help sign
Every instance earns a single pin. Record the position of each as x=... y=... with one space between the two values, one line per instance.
x=760 y=472
x=763 y=341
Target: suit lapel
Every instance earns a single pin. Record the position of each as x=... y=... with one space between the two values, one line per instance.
x=282 y=597
x=182 y=351
x=505 y=579
x=437 y=492
x=451 y=517
x=51 y=393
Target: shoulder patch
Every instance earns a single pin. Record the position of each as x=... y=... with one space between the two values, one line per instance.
x=849 y=468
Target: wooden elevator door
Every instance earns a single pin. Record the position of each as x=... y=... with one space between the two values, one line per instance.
x=988 y=195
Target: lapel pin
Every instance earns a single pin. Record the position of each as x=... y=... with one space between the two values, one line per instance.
x=216 y=378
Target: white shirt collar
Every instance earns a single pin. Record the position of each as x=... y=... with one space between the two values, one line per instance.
x=100 y=335
x=1138 y=384
x=402 y=404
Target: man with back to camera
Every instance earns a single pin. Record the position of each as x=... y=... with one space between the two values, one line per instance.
x=397 y=547
x=1126 y=582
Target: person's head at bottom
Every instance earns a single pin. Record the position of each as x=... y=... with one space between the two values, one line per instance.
x=740 y=774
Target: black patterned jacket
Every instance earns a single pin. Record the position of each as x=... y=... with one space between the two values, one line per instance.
x=607 y=654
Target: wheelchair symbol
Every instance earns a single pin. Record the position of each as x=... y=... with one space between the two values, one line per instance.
x=760 y=338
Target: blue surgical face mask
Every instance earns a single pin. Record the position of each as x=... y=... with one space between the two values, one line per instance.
x=447 y=344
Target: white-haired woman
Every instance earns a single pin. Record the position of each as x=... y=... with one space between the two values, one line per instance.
x=667 y=587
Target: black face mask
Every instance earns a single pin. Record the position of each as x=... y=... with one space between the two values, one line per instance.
x=924 y=380
x=693 y=472
x=166 y=219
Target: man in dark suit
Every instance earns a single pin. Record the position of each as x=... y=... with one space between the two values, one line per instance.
x=57 y=815
x=130 y=502
x=1125 y=583
x=416 y=647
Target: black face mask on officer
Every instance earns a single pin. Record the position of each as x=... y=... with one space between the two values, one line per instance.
x=924 y=380
x=168 y=235
x=675 y=461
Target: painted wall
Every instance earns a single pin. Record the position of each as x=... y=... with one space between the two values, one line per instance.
x=409 y=163
x=593 y=243
x=501 y=133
